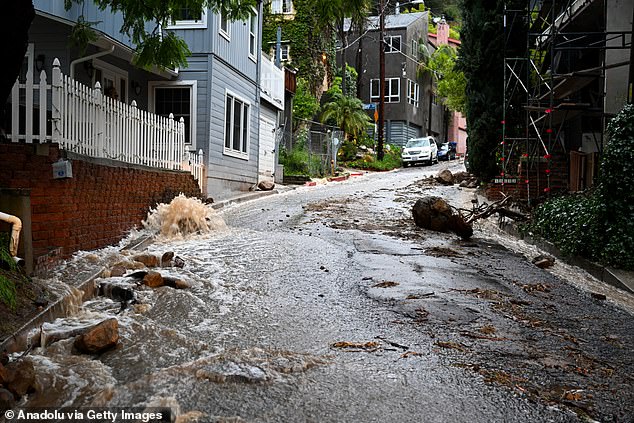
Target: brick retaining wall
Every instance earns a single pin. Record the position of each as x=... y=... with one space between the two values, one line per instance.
x=95 y=208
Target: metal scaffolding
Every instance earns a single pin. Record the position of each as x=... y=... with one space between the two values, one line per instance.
x=553 y=92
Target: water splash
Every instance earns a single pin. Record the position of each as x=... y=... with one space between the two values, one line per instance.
x=183 y=216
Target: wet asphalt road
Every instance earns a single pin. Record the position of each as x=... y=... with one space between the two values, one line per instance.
x=327 y=304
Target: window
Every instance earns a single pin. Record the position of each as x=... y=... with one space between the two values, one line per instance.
x=253 y=35
x=186 y=19
x=224 y=25
x=179 y=99
x=392 y=90
x=393 y=44
x=284 y=52
x=375 y=87
x=236 y=126
x=413 y=91
x=415 y=49
x=281 y=7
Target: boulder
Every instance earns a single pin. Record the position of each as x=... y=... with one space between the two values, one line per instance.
x=266 y=185
x=175 y=283
x=472 y=183
x=445 y=177
x=432 y=213
x=117 y=271
x=460 y=177
x=179 y=262
x=166 y=258
x=102 y=337
x=19 y=377
x=153 y=279
x=149 y=260
x=435 y=214
x=544 y=261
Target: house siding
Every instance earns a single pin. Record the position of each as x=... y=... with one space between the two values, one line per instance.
x=227 y=173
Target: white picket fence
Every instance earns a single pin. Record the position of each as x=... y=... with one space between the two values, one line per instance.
x=85 y=121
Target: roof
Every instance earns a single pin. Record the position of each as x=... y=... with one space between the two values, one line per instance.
x=402 y=20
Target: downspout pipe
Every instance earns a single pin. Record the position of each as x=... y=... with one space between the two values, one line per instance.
x=16 y=227
x=86 y=58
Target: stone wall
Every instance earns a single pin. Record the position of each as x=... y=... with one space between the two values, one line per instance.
x=102 y=201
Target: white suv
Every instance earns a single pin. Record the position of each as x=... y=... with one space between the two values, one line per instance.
x=419 y=150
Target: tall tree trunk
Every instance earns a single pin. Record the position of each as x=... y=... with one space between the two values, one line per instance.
x=17 y=16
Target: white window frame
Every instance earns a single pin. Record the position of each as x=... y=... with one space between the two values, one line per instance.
x=190 y=24
x=375 y=83
x=193 y=106
x=285 y=49
x=224 y=33
x=279 y=9
x=413 y=92
x=389 y=44
x=415 y=49
x=253 y=35
x=117 y=74
x=391 y=97
x=230 y=151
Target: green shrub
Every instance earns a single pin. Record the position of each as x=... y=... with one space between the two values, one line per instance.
x=568 y=222
x=298 y=161
x=391 y=160
x=615 y=192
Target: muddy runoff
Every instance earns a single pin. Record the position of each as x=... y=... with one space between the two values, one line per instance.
x=148 y=323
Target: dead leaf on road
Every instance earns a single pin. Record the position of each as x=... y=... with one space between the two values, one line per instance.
x=357 y=346
x=385 y=284
x=410 y=354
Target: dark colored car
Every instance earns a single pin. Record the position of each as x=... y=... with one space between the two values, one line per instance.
x=447 y=151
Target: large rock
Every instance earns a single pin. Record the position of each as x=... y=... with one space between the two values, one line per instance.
x=19 y=377
x=149 y=260
x=102 y=337
x=153 y=279
x=175 y=283
x=266 y=185
x=166 y=258
x=435 y=214
x=445 y=177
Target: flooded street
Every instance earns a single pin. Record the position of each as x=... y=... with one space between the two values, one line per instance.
x=327 y=304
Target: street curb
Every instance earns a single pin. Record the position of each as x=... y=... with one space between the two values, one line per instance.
x=242 y=198
x=605 y=274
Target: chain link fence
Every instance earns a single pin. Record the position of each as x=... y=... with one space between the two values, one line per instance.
x=310 y=152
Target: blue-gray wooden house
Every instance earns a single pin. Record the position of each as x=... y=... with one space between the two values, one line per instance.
x=218 y=95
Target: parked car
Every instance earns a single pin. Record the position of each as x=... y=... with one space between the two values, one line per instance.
x=420 y=150
x=447 y=151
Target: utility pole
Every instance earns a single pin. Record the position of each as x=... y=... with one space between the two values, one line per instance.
x=379 y=147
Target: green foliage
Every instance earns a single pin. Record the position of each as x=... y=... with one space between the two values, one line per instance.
x=82 y=34
x=348 y=114
x=337 y=84
x=299 y=161
x=615 y=193
x=306 y=44
x=451 y=82
x=454 y=33
x=7 y=287
x=568 y=222
x=391 y=160
x=165 y=48
x=482 y=62
x=305 y=105
x=598 y=225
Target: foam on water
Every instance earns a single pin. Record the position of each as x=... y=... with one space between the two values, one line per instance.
x=183 y=216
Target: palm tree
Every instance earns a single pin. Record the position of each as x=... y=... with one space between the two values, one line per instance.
x=348 y=113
